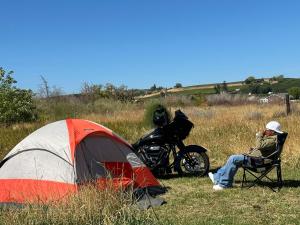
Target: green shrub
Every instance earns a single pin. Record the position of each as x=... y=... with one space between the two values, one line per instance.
x=59 y=108
x=149 y=111
x=295 y=92
x=73 y=107
x=16 y=105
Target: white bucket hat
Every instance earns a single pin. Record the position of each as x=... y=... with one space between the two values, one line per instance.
x=275 y=126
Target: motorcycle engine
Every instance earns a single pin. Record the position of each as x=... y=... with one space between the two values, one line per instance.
x=154 y=155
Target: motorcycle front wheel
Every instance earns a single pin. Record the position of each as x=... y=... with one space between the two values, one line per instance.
x=193 y=161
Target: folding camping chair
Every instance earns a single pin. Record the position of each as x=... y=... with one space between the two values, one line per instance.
x=260 y=167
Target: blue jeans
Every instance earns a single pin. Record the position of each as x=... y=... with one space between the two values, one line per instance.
x=224 y=176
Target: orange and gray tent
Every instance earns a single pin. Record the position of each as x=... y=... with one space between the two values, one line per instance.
x=56 y=159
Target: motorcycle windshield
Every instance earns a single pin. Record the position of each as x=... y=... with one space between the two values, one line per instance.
x=179 y=127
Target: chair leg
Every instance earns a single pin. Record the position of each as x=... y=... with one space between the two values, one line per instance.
x=258 y=179
x=279 y=177
x=252 y=183
x=244 y=177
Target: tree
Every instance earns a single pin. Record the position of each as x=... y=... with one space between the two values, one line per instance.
x=44 y=90
x=153 y=88
x=295 y=92
x=217 y=88
x=224 y=86
x=91 y=89
x=16 y=105
x=265 y=88
x=250 y=80
x=123 y=94
x=278 y=78
x=254 y=88
x=110 y=89
x=178 y=85
x=56 y=91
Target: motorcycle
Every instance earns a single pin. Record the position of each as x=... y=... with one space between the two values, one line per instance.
x=163 y=150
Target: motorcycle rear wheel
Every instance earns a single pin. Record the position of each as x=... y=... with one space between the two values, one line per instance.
x=193 y=162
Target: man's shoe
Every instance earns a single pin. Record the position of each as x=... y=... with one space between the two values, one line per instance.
x=211 y=177
x=217 y=187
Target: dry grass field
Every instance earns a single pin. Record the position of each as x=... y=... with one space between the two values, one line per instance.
x=224 y=131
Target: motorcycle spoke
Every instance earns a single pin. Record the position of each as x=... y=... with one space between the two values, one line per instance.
x=192 y=162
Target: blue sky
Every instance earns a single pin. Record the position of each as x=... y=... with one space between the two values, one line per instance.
x=140 y=43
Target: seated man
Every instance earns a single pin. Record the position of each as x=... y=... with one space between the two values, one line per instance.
x=265 y=145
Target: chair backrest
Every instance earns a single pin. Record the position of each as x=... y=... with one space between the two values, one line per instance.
x=279 y=146
x=280 y=142
x=259 y=163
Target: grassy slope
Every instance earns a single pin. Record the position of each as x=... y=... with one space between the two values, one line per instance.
x=224 y=131
x=208 y=88
x=201 y=91
x=193 y=90
x=286 y=84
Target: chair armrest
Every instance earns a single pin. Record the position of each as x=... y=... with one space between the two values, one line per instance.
x=258 y=161
x=262 y=157
x=270 y=156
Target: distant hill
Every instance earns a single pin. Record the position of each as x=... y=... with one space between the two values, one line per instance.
x=286 y=84
x=277 y=87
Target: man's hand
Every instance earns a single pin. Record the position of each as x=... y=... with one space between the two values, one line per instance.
x=250 y=150
x=261 y=133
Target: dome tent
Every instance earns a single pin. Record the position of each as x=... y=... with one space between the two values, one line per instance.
x=54 y=160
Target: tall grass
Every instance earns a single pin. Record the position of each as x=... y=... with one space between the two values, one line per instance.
x=10 y=136
x=232 y=131
x=229 y=99
x=73 y=107
x=223 y=130
x=89 y=206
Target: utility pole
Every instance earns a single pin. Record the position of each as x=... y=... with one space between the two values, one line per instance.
x=287 y=104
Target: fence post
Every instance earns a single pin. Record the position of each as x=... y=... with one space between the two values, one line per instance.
x=287 y=104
